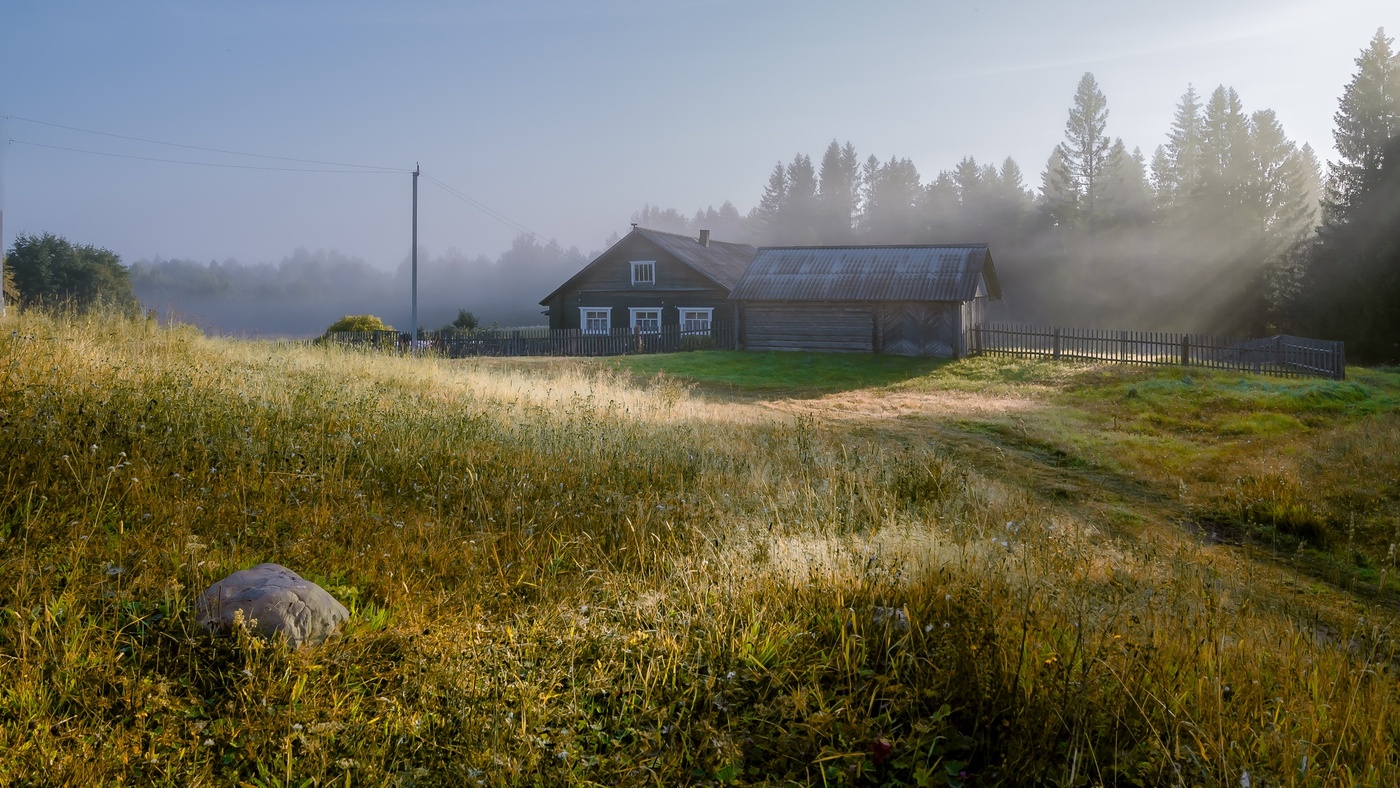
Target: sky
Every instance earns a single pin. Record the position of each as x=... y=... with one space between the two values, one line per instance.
x=563 y=117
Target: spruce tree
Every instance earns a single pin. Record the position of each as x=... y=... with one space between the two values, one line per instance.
x=1368 y=116
x=799 y=214
x=1176 y=165
x=1127 y=195
x=1059 y=197
x=1085 y=149
x=838 y=192
x=767 y=214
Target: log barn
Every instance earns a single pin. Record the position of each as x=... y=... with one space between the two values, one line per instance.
x=902 y=300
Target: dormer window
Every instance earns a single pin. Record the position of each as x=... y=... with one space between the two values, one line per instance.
x=643 y=272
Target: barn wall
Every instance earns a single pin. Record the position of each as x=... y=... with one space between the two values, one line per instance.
x=910 y=328
x=918 y=328
x=796 y=325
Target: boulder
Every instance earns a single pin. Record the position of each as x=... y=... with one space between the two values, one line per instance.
x=274 y=600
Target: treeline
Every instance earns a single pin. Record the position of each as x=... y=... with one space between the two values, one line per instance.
x=307 y=291
x=1227 y=228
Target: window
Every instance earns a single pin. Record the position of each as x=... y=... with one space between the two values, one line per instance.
x=595 y=319
x=696 y=319
x=643 y=272
x=647 y=320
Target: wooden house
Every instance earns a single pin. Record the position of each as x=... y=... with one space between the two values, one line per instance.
x=903 y=300
x=651 y=279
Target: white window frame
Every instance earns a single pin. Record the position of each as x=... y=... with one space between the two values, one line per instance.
x=583 y=319
x=632 y=318
x=643 y=265
x=709 y=318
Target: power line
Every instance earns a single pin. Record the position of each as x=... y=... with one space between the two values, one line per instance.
x=205 y=163
x=498 y=216
x=358 y=169
x=201 y=148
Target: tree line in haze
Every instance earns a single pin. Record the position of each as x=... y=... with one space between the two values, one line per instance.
x=1228 y=228
x=307 y=291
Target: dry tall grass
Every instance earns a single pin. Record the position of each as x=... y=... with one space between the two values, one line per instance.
x=560 y=576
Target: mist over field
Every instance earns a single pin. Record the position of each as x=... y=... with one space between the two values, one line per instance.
x=307 y=291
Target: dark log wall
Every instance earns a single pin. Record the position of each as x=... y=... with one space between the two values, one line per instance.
x=895 y=327
x=607 y=282
x=779 y=325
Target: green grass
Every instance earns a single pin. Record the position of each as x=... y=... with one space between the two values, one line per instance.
x=580 y=575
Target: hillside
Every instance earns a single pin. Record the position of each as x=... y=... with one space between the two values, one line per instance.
x=973 y=573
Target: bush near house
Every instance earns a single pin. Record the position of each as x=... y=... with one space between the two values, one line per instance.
x=351 y=323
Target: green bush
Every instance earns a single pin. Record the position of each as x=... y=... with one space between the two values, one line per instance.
x=358 y=323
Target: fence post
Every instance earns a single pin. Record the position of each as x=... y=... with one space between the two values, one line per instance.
x=1185 y=350
x=1340 y=359
x=1057 y=343
x=977 y=337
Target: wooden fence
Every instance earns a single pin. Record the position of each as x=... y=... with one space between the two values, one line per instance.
x=1279 y=355
x=544 y=341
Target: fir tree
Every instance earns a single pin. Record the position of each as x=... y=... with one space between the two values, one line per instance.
x=838 y=192
x=1176 y=165
x=1058 y=194
x=1368 y=116
x=767 y=214
x=1085 y=150
x=1127 y=197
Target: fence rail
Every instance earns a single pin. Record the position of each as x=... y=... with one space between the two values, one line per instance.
x=1282 y=355
x=543 y=341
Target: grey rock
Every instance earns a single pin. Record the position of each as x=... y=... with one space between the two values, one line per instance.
x=274 y=601
x=892 y=617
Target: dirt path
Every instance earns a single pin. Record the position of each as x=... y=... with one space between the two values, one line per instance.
x=979 y=431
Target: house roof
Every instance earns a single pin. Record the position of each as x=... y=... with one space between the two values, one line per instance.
x=719 y=261
x=869 y=273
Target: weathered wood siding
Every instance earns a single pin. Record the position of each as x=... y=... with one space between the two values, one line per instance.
x=906 y=328
x=607 y=282
x=796 y=325
x=917 y=328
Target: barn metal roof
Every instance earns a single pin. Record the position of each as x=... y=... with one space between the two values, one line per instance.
x=868 y=273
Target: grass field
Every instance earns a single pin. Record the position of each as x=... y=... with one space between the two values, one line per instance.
x=763 y=570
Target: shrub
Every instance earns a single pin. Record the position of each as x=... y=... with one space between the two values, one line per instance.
x=358 y=323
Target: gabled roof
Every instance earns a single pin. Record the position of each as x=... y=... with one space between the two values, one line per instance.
x=721 y=262
x=869 y=273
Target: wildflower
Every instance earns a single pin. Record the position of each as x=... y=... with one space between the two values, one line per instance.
x=208 y=742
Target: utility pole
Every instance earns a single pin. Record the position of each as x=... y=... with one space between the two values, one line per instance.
x=413 y=330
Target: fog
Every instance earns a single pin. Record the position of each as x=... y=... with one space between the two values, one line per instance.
x=307 y=291
x=1210 y=232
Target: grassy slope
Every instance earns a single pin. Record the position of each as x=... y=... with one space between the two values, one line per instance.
x=562 y=576
x=1300 y=465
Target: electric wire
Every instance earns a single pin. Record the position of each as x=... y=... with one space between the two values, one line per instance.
x=361 y=169
x=203 y=163
x=202 y=148
x=500 y=217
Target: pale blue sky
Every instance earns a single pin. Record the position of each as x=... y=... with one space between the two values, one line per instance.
x=568 y=116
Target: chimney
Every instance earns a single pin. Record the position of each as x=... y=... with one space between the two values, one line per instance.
x=634 y=225
x=704 y=237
